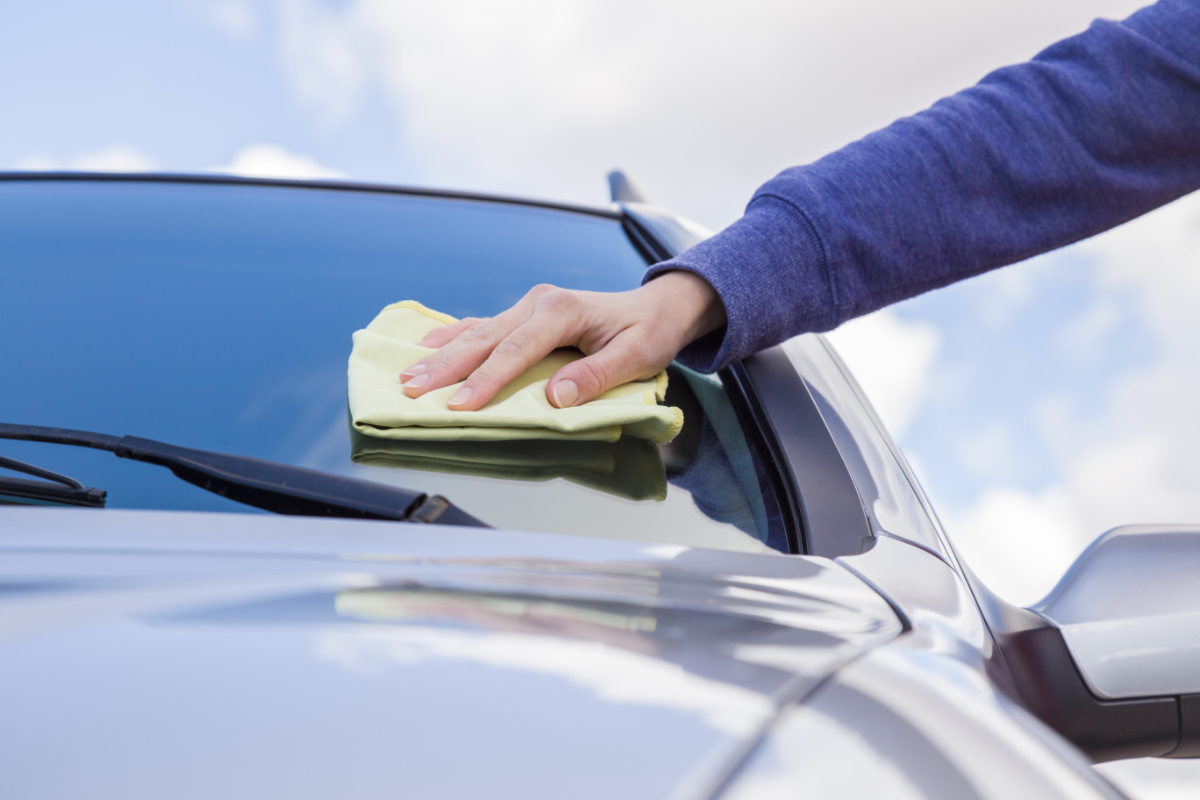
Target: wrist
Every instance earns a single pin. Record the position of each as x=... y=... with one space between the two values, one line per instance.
x=694 y=304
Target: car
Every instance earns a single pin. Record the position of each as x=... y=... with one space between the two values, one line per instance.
x=213 y=586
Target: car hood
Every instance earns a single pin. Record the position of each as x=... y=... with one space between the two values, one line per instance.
x=164 y=654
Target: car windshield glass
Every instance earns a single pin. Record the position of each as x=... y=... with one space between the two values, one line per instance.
x=218 y=317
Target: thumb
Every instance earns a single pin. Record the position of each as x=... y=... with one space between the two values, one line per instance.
x=587 y=378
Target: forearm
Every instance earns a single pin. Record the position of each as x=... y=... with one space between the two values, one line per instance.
x=1096 y=130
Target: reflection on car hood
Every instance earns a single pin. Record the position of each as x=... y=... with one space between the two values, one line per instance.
x=153 y=655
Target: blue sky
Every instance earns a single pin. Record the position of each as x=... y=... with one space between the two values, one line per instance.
x=170 y=79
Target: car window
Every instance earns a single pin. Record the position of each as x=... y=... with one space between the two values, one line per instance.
x=218 y=316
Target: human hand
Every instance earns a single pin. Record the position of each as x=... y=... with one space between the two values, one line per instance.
x=624 y=336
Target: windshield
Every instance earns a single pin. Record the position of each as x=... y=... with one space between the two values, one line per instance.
x=218 y=317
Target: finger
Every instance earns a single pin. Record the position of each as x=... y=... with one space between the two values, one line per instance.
x=469 y=349
x=440 y=337
x=555 y=324
x=626 y=358
x=456 y=360
x=435 y=340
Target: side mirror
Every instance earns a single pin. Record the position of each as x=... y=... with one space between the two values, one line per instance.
x=1129 y=610
x=1111 y=657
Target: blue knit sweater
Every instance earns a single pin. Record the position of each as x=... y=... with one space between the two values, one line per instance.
x=1096 y=130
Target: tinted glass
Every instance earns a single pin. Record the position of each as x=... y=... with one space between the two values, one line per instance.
x=219 y=317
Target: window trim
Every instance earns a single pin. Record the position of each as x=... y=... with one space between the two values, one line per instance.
x=761 y=437
x=815 y=490
x=818 y=484
x=287 y=183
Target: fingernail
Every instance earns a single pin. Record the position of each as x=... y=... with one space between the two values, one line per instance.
x=417 y=382
x=415 y=369
x=461 y=396
x=565 y=394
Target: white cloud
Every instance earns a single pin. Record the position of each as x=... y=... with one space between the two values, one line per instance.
x=324 y=57
x=273 y=161
x=891 y=359
x=988 y=450
x=114 y=158
x=701 y=100
x=1136 y=459
x=1019 y=543
x=1130 y=455
x=1085 y=336
x=38 y=162
x=233 y=17
x=1008 y=292
x=1139 y=460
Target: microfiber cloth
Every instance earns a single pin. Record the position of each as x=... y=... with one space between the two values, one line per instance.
x=379 y=407
x=630 y=468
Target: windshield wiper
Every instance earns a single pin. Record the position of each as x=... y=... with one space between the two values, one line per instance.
x=268 y=485
x=54 y=488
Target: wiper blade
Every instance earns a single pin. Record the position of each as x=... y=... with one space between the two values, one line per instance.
x=269 y=485
x=54 y=488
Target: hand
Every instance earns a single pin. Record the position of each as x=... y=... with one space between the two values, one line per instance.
x=625 y=336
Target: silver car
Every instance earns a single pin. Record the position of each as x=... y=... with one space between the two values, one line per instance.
x=213 y=587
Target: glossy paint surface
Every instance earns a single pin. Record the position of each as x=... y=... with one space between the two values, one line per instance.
x=907 y=722
x=199 y=655
x=931 y=597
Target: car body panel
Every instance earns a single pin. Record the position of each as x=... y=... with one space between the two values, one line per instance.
x=920 y=716
x=908 y=722
x=429 y=661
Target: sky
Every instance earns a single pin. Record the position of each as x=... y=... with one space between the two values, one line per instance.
x=1040 y=404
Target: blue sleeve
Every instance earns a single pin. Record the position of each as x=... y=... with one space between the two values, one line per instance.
x=1096 y=130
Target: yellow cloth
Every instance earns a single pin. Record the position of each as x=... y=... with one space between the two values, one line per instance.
x=378 y=406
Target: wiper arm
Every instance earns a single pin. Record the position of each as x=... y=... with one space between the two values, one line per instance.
x=268 y=485
x=54 y=488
